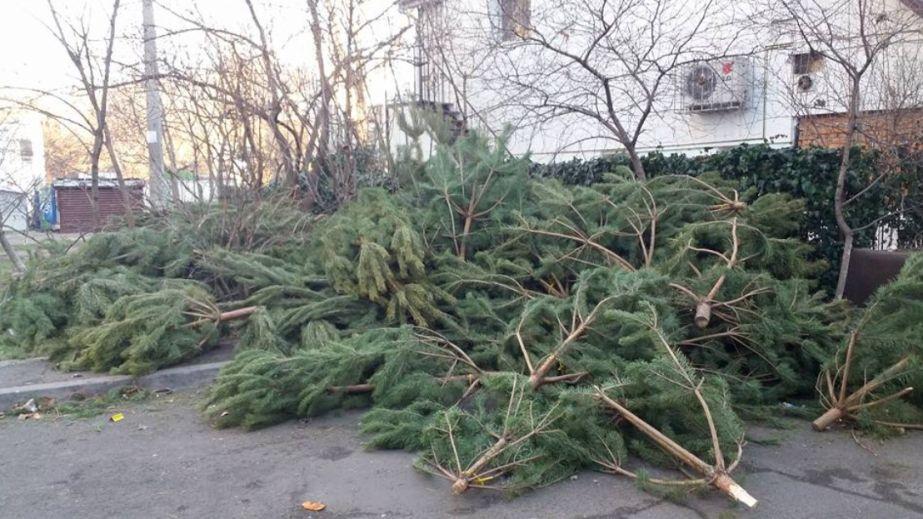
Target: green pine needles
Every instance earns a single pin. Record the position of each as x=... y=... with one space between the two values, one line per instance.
x=510 y=330
x=143 y=332
x=871 y=378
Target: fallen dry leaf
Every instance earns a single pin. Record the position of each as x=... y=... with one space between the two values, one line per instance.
x=314 y=506
x=29 y=407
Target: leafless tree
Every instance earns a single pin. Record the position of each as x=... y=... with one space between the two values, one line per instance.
x=233 y=108
x=95 y=74
x=857 y=38
x=611 y=64
x=285 y=115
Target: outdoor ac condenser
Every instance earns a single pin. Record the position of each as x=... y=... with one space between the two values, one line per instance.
x=809 y=84
x=715 y=86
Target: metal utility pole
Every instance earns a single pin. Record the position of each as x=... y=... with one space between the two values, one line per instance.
x=159 y=189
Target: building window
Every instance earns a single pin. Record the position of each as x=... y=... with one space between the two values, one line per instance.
x=432 y=31
x=514 y=19
x=25 y=150
x=807 y=63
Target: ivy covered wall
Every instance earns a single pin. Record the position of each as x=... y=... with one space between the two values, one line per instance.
x=810 y=173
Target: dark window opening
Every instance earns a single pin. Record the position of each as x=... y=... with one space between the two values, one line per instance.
x=807 y=62
x=25 y=149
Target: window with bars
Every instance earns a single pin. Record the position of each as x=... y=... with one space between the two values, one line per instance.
x=430 y=85
x=25 y=150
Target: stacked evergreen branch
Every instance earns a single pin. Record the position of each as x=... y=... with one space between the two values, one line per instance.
x=873 y=377
x=536 y=294
x=127 y=300
x=145 y=331
x=510 y=330
x=372 y=251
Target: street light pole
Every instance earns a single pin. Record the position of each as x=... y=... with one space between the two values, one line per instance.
x=158 y=184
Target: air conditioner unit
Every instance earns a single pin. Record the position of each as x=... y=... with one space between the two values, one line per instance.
x=809 y=89
x=716 y=86
x=809 y=93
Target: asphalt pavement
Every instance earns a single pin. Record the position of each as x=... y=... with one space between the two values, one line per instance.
x=163 y=461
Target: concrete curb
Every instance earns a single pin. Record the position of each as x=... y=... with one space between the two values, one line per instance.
x=171 y=378
x=17 y=362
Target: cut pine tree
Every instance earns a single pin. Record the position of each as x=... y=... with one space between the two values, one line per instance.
x=538 y=376
x=507 y=452
x=681 y=379
x=705 y=305
x=716 y=475
x=880 y=362
x=473 y=306
x=842 y=404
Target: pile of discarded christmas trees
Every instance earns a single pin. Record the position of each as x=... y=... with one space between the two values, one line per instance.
x=512 y=331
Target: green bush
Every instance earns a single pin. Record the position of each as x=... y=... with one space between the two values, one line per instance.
x=809 y=174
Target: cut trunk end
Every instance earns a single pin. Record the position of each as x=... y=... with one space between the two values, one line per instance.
x=827 y=419
x=460 y=486
x=727 y=485
x=351 y=390
x=537 y=378
x=240 y=313
x=702 y=314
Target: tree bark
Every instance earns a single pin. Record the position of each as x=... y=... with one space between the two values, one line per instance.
x=840 y=200
x=120 y=178
x=319 y=142
x=240 y=313
x=636 y=165
x=827 y=419
x=845 y=405
x=94 y=178
x=845 y=257
x=275 y=109
x=18 y=265
x=702 y=314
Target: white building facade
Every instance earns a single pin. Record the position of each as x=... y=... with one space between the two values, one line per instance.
x=580 y=77
x=22 y=166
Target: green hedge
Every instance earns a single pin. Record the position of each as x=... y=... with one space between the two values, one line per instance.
x=809 y=174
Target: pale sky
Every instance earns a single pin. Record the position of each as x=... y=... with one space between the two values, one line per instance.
x=29 y=54
x=32 y=57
